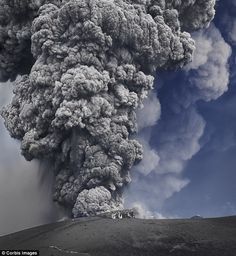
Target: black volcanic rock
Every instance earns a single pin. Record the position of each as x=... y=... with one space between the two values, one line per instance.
x=96 y=236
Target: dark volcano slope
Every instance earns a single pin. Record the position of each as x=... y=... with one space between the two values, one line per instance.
x=129 y=237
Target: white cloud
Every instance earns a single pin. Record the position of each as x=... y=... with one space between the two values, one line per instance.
x=176 y=139
x=179 y=140
x=150 y=113
x=210 y=72
x=144 y=213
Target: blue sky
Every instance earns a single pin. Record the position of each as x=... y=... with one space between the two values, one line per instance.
x=190 y=153
x=212 y=171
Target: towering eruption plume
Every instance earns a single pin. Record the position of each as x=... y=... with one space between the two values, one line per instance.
x=86 y=66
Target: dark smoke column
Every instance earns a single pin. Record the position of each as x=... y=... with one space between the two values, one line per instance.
x=90 y=66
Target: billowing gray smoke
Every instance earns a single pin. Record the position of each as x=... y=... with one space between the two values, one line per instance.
x=90 y=66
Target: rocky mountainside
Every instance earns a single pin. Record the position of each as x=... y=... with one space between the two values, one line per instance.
x=101 y=236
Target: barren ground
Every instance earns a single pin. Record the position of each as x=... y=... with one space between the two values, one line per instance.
x=129 y=237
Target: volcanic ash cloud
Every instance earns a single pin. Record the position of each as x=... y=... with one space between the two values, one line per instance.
x=87 y=67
